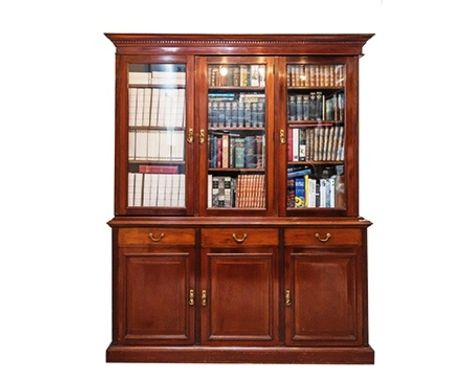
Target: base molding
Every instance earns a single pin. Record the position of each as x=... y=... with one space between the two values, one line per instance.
x=205 y=354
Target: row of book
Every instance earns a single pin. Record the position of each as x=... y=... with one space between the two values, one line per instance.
x=159 y=145
x=316 y=75
x=308 y=192
x=243 y=191
x=316 y=106
x=236 y=114
x=156 y=190
x=228 y=151
x=157 y=77
x=236 y=75
x=317 y=144
x=156 y=107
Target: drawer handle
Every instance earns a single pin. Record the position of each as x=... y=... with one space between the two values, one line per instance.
x=323 y=239
x=156 y=239
x=239 y=239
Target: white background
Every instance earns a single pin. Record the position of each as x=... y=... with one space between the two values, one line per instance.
x=56 y=158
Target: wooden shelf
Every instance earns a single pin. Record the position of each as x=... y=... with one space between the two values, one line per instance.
x=236 y=129
x=309 y=124
x=236 y=170
x=314 y=163
x=154 y=86
x=159 y=162
x=237 y=88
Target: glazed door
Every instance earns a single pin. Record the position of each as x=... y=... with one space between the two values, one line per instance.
x=317 y=130
x=158 y=296
x=154 y=169
x=322 y=297
x=236 y=121
x=239 y=298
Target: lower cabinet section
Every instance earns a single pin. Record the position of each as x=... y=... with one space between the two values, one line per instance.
x=323 y=306
x=158 y=296
x=295 y=295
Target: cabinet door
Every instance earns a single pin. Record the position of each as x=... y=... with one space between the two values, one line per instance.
x=158 y=296
x=239 y=297
x=323 y=303
x=318 y=135
x=236 y=121
x=155 y=135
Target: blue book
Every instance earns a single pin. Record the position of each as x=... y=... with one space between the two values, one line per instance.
x=299 y=197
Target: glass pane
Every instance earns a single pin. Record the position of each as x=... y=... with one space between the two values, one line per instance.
x=316 y=136
x=236 y=136
x=156 y=140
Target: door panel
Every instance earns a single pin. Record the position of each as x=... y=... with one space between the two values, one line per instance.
x=156 y=297
x=241 y=297
x=323 y=289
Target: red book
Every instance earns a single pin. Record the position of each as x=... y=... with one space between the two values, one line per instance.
x=290 y=143
x=156 y=169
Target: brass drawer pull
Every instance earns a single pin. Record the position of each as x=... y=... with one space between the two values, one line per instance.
x=287 y=297
x=239 y=239
x=191 y=300
x=324 y=239
x=156 y=239
x=204 y=297
x=190 y=136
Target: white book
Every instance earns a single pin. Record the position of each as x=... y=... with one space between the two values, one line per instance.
x=182 y=191
x=161 y=189
x=323 y=193
x=210 y=191
x=154 y=108
x=175 y=190
x=152 y=144
x=332 y=182
x=146 y=107
x=312 y=197
x=295 y=145
x=165 y=145
x=140 y=107
x=132 y=103
x=177 y=146
x=157 y=182
x=154 y=189
x=174 y=110
x=138 y=189
x=162 y=107
x=168 y=190
x=139 y=78
x=131 y=144
x=180 y=108
x=131 y=189
x=141 y=150
x=146 y=190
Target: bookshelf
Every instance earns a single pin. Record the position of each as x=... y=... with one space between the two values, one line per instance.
x=237 y=235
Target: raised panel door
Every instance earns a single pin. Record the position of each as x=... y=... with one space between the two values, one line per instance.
x=322 y=297
x=239 y=301
x=158 y=296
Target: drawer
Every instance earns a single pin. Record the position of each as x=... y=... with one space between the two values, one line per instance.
x=322 y=236
x=234 y=237
x=157 y=236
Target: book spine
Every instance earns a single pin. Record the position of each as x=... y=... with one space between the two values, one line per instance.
x=299 y=193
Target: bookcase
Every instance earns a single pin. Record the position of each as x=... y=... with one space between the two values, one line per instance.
x=237 y=235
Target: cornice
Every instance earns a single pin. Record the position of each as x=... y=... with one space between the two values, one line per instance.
x=181 y=40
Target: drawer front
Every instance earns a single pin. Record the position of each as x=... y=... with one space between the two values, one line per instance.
x=321 y=236
x=235 y=237
x=156 y=236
